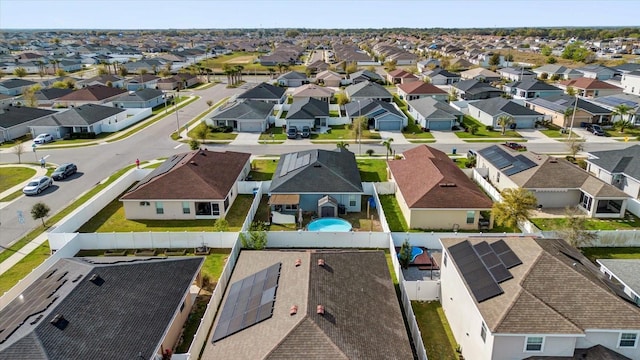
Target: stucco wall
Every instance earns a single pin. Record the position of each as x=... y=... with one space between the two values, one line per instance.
x=443 y=219
x=513 y=347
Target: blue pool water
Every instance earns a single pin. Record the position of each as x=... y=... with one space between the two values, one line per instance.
x=415 y=251
x=329 y=224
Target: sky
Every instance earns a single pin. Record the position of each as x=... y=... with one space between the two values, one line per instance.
x=220 y=14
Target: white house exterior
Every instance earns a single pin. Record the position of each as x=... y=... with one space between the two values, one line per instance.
x=631 y=83
x=625 y=271
x=621 y=168
x=489 y=111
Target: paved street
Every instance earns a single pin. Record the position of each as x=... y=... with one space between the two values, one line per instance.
x=98 y=162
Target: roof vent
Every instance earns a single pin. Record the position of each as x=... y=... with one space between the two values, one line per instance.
x=192 y=162
x=96 y=279
x=293 y=310
x=320 y=262
x=59 y=321
x=317 y=165
x=298 y=262
x=320 y=309
x=447 y=185
x=553 y=160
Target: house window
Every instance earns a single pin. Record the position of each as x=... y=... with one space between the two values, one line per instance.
x=585 y=201
x=534 y=343
x=628 y=340
x=159 y=207
x=145 y=203
x=352 y=200
x=497 y=177
x=186 y=207
x=215 y=209
x=226 y=203
x=471 y=216
x=483 y=332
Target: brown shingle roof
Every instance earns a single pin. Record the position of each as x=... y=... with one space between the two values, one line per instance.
x=197 y=175
x=588 y=84
x=420 y=87
x=93 y=93
x=425 y=177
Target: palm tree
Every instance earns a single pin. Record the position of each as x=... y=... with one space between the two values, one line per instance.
x=342 y=145
x=622 y=110
x=387 y=144
x=568 y=113
x=341 y=99
x=504 y=121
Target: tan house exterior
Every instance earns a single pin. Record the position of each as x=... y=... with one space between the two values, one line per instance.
x=554 y=108
x=433 y=193
x=199 y=184
x=590 y=88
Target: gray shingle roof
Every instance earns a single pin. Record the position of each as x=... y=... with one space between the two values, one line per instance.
x=16 y=83
x=103 y=319
x=308 y=108
x=50 y=94
x=16 y=115
x=532 y=85
x=367 y=89
x=625 y=161
x=371 y=76
x=140 y=95
x=83 y=115
x=325 y=172
x=263 y=91
x=249 y=109
x=431 y=108
x=293 y=75
x=561 y=102
x=473 y=86
x=498 y=105
x=368 y=106
x=626 y=270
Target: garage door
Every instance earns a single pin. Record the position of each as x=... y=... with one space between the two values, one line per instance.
x=389 y=125
x=252 y=126
x=439 y=125
x=524 y=124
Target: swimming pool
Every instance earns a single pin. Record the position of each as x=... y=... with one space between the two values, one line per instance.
x=329 y=224
x=415 y=252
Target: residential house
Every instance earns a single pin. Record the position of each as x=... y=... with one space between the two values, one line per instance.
x=556 y=107
x=93 y=94
x=244 y=116
x=14 y=87
x=626 y=67
x=424 y=65
x=168 y=84
x=142 y=98
x=265 y=92
x=365 y=76
x=419 y=89
x=15 y=121
x=480 y=74
x=476 y=90
x=530 y=89
x=517 y=74
x=313 y=91
x=489 y=111
x=150 y=66
x=47 y=97
x=433 y=193
x=313 y=309
x=403 y=58
x=561 y=72
x=460 y=64
x=105 y=80
x=630 y=83
x=309 y=112
x=400 y=76
x=596 y=71
x=555 y=182
x=621 y=168
x=309 y=179
x=625 y=272
x=292 y=79
x=612 y=101
x=533 y=298
x=432 y=114
x=368 y=90
x=441 y=77
x=145 y=81
x=589 y=87
x=329 y=78
x=199 y=184
x=381 y=115
x=60 y=313
x=317 y=66
x=87 y=118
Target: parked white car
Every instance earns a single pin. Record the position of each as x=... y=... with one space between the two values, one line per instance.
x=43 y=139
x=36 y=185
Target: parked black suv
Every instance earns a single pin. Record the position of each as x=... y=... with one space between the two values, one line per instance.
x=306 y=132
x=595 y=129
x=292 y=132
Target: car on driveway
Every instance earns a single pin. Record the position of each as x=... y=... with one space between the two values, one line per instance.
x=292 y=132
x=306 y=132
x=595 y=129
x=64 y=170
x=43 y=139
x=36 y=185
x=515 y=146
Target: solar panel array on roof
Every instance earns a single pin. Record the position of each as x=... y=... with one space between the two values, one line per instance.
x=165 y=167
x=614 y=101
x=250 y=301
x=520 y=163
x=498 y=157
x=292 y=162
x=506 y=255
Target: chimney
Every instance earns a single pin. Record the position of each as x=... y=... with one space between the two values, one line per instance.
x=298 y=262
x=321 y=262
x=320 y=309
x=293 y=310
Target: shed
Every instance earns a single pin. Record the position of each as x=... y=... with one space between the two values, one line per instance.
x=327 y=207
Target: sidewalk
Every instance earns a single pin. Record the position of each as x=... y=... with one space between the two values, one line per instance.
x=39 y=172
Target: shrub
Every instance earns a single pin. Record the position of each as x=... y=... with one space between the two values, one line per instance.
x=370 y=152
x=194 y=144
x=544 y=76
x=489 y=128
x=555 y=77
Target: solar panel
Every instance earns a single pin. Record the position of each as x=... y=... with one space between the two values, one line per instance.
x=285 y=165
x=520 y=164
x=490 y=260
x=500 y=273
x=249 y=301
x=475 y=274
x=506 y=255
x=482 y=248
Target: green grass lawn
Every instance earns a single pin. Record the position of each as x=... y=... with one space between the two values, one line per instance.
x=23 y=267
x=372 y=170
x=434 y=327
x=630 y=132
x=556 y=134
x=414 y=131
x=593 y=253
x=278 y=135
x=211 y=135
x=343 y=132
x=392 y=212
x=112 y=219
x=630 y=222
x=334 y=113
x=283 y=114
x=483 y=132
x=12 y=176
x=263 y=170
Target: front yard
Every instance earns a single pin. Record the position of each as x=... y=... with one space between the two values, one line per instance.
x=210 y=134
x=273 y=135
x=414 y=132
x=482 y=131
x=12 y=176
x=344 y=132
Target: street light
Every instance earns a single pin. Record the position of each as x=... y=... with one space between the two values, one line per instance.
x=359 y=133
x=177 y=120
x=573 y=116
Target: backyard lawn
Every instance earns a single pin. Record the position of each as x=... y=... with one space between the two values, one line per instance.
x=112 y=219
x=24 y=267
x=482 y=131
x=14 y=175
x=372 y=170
x=246 y=59
x=434 y=328
x=392 y=212
x=263 y=170
x=630 y=222
x=611 y=253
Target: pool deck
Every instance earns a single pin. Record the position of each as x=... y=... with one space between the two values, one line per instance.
x=423 y=261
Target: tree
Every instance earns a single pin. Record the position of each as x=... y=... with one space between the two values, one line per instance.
x=551 y=60
x=351 y=68
x=622 y=110
x=40 y=211
x=504 y=121
x=341 y=100
x=221 y=225
x=194 y=144
x=390 y=65
x=18 y=149
x=209 y=103
x=453 y=94
x=571 y=91
x=61 y=72
x=201 y=132
x=122 y=71
x=387 y=144
x=256 y=240
x=494 y=60
x=20 y=72
x=568 y=114
x=573 y=231
x=102 y=71
x=545 y=50
x=404 y=257
x=342 y=145
x=575 y=146
x=516 y=205
x=544 y=76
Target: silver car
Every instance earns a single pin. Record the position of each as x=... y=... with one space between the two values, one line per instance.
x=35 y=186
